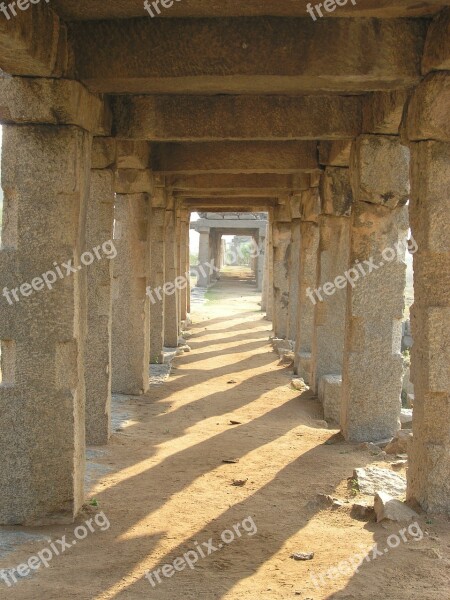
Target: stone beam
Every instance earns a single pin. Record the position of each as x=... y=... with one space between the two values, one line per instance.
x=210 y=118
x=235 y=157
x=229 y=204
x=52 y=102
x=257 y=56
x=34 y=42
x=225 y=182
x=87 y=10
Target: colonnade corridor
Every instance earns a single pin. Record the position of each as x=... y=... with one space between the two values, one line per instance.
x=225 y=452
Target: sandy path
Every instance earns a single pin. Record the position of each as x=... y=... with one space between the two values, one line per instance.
x=163 y=487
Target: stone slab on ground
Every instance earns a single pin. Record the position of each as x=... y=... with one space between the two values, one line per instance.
x=400 y=443
x=371 y=480
x=387 y=507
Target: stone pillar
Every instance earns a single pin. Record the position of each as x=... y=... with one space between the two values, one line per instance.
x=204 y=257
x=294 y=264
x=330 y=300
x=428 y=131
x=308 y=206
x=131 y=304
x=171 y=321
x=99 y=232
x=45 y=180
x=260 y=244
x=157 y=281
x=373 y=364
x=267 y=297
x=281 y=243
x=184 y=264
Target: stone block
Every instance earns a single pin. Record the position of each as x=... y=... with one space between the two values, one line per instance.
x=330 y=390
x=436 y=55
x=379 y=171
x=336 y=192
x=133 y=154
x=335 y=153
x=382 y=112
x=387 y=507
x=53 y=102
x=134 y=181
x=304 y=366
x=103 y=154
x=428 y=114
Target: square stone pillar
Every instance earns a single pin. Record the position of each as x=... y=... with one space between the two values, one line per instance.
x=333 y=262
x=307 y=208
x=373 y=364
x=204 y=257
x=294 y=265
x=184 y=265
x=99 y=232
x=171 y=319
x=260 y=243
x=157 y=272
x=131 y=304
x=45 y=180
x=282 y=240
x=268 y=289
x=428 y=129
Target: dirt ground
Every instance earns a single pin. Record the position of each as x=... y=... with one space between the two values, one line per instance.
x=165 y=489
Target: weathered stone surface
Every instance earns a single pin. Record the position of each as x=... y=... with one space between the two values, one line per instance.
x=373 y=479
x=401 y=442
x=429 y=469
x=134 y=181
x=387 y=507
x=373 y=364
x=335 y=154
x=247 y=56
x=52 y=102
x=330 y=390
x=33 y=43
x=330 y=302
x=406 y=417
x=131 y=328
x=428 y=115
x=235 y=157
x=211 y=118
x=309 y=209
x=42 y=442
x=336 y=192
x=103 y=155
x=171 y=318
x=282 y=243
x=133 y=154
x=436 y=56
x=379 y=170
x=382 y=112
x=99 y=229
x=86 y=10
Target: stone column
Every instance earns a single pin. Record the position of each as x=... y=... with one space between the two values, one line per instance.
x=157 y=275
x=171 y=322
x=373 y=364
x=45 y=180
x=428 y=130
x=204 y=257
x=281 y=243
x=307 y=276
x=260 y=244
x=184 y=267
x=294 y=264
x=99 y=232
x=330 y=299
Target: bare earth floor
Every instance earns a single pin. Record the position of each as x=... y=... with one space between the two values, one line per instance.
x=163 y=486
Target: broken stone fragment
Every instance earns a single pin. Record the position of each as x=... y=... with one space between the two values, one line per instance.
x=372 y=479
x=400 y=443
x=387 y=507
x=299 y=385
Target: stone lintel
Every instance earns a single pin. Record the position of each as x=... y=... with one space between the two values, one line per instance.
x=134 y=181
x=247 y=56
x=212 y=118
x=52 y=102
x=235 y=157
